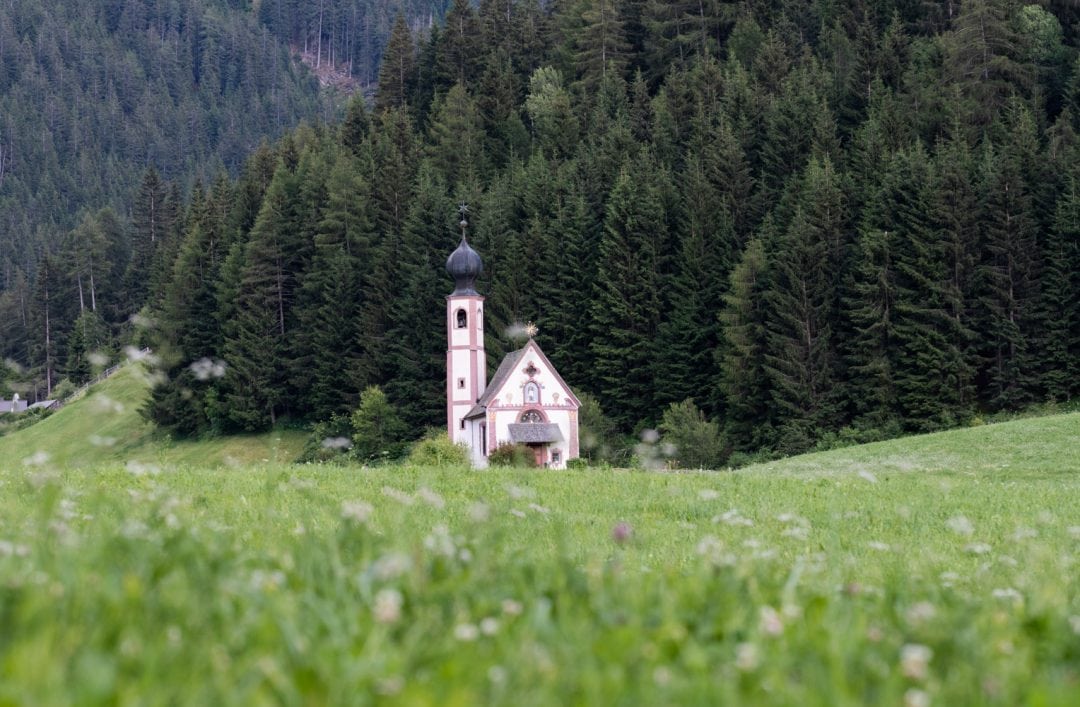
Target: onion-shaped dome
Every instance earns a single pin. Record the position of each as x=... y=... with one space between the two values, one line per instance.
x=464 y=265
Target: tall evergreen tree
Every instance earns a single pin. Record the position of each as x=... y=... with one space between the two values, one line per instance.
x=627 y=298
x=741 y=354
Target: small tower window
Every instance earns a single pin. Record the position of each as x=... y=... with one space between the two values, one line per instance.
x=532 y=392
x=532 y=416
x=462 y=319
x=461 y=383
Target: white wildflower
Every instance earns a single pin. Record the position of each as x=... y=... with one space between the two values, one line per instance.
x=388 y=687
x=398 y=495
x=708 y=494
x=497 y=674
x=915 y=661
x=264 y=581
x=799 y=532
x=948 y=578
x=960 y=525
x=867 y=476
x=1024 y=533
x=431 y=498
x=713 y=551
x=1007 y=593
x=920 y=612
x=916 y=698
x=38 y=458
x=10 y=549
x=512 y=607
x=770 y=622
x=733 y=517
x=1074 y=623
x=391 y=566
x=662 y=676
x=336 y=443
x=519 y=492
x=387 y=608
x=977 y=548
x=466 y=632
x=539 y=509
x=357 y=511
x=489 y=626
x=137 y=468
x=747 y=657
x=516 y=513
x=440 y=542
x=879 y=546
x=479 y=512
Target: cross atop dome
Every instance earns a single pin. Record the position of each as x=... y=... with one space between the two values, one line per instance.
x=464 y=264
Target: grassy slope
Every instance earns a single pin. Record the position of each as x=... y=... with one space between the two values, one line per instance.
x=1042 y=447
x=105 y=426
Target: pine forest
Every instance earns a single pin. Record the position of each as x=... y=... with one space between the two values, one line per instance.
x=784 y=221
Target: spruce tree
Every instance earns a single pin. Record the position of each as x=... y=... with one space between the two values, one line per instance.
x=397 y=70
x=741 y=353
x=1007 y=284
x=627 y=297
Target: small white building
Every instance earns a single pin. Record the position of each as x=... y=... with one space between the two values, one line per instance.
x=527 y=401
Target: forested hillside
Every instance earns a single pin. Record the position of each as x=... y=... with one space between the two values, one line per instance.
x=804 y=216
x=348 y=34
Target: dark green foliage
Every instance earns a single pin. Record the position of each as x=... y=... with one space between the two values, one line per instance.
x=696 y=442
x=377 y=431
x=629 y=293
x=91 y=101
x=821 y=221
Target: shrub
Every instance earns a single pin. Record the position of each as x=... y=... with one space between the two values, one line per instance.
x=377 y=431
x=697 y=442
x=329 y=441
x=510 y=454
x=577 y=463
x=437 y=449
x=600 y=439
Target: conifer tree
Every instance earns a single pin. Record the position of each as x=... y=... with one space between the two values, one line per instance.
x=741 y=354
x=256 y=345
x=801 y=363
x=417 y=344
x=1059 y=313
x=458 y=52
x=689 y=334
x=153 y=220
x=601 y=45
x=1007 y=285
x=397 y=70
x=627 y=298
x=326 y=345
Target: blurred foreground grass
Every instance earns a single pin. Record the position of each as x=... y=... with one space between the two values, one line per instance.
x=846 y=578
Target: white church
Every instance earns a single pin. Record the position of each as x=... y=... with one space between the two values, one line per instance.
x=527 y=401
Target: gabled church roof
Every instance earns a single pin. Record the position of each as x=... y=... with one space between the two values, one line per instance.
x=509 y=363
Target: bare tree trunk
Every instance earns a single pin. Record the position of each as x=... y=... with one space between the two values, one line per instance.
x=48 y=346
x=93 y=292
x=318 y=60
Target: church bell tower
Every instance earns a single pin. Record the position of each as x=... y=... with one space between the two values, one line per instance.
x=466 y=362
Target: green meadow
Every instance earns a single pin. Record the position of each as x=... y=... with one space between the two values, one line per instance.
x=935 y=570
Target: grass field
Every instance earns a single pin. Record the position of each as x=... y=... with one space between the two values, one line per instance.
x=935 y=570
